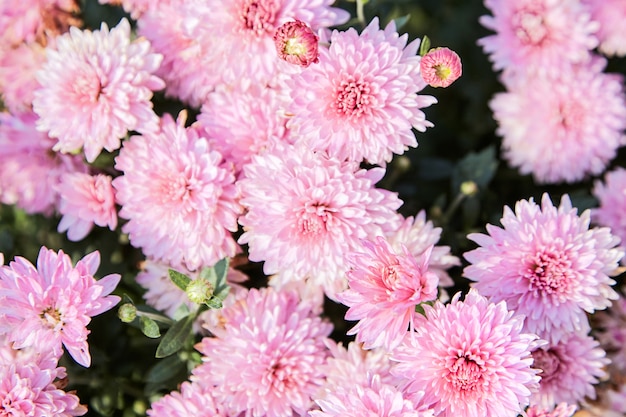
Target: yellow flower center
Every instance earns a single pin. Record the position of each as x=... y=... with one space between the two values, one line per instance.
x=442 y=71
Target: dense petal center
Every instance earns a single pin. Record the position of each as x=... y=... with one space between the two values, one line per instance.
x=353 y=97
x=259 y=16
x=314 y=219
x=87 y=88
x=549 y=274
x=548 y=361
x=464 y=373
x=529 y=26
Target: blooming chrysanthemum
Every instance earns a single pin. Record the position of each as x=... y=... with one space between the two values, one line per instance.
x=547 y=264
x=471 y=358
x=85 y=200
x=136 y=8
x=375 y=399
x=50 y=305
x=296 y=43
x=360 y=101
x=611 y=195
x=561 y=410
x=313 y=211
x=17 y=75
x=538 y=36
x=610 y=14
x=419 y=235
x=95 y=87
x=610 y=329
x=556 y=131
x=267 y=359
x=569 y=369
x=178 y=195
x=193 y=400
x=440 y=67
x=384 y=288
x=245 y=121
x=29 y=169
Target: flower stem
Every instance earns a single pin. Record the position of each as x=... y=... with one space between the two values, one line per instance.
x=360 y=15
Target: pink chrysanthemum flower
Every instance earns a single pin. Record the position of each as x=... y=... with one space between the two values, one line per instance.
x=610 y=329
x=569 y=369
x=136 y=8
x=52 y=304
x=561 y=410
x=192 y=400
x=313 y=211
x=178 y=195
x=95 y=87
x=267 y=359
x=85 y=200
x=384 y=288
x=610 y=14
x=360 y=101
x=470 y=358
x=29 y=169
x=17 y=75
x=547 y=264
x=440 y=67
x=538 y=36
x=556 y=131
x=611 y=195
x=419 y=235
x=296 y=43
x=376 y=399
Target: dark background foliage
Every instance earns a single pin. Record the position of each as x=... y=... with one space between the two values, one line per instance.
x=462 y=146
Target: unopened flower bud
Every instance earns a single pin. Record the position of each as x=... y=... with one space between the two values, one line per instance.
x=469 y=188
x=440 y=67
x=127 y=312
x=199 y=290
x=296 y=43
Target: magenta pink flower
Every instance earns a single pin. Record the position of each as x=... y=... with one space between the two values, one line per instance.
x=178 y=195
x=561 y=410
x=556 y=131
x=313 y=211
x=468 y=358
x=29 y=169
x=50 y=305
x=610 y=15
x=547 y=264
x=440 y=67
x=360 y=101
x=611 y=195
x=384 y=288
x=569 y=369
x=296 y=43
x=538 y=36
x=193 y=400
x=85 y=200
x=95 y=87
x=267 y=359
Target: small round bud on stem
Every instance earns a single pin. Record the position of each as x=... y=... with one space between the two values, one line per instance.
x=296 y=43
x=469 y=188
x=199 y=291
x=440 y=67
x=127 y=312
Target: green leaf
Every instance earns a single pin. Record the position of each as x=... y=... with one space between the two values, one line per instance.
x=479 y=167
x=214 y=303
x=176 y=337
x=181 y=280
x=166 y=369
x=419 y=309
x=149 y=327
x=401 y=21
x=425 y=45
x=221 y=270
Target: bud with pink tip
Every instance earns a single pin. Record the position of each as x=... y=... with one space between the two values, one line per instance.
x=440 y=67
x=296 y=43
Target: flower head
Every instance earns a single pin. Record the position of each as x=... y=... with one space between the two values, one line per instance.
x=561 y=410
x=194 y=399
x=611 y=195
x=95 y=87
x=469 y=358
x=610 y=15
x=50 y=305
x=440 y=67
x=296 y=43
x=384 y=288
x=547 y=264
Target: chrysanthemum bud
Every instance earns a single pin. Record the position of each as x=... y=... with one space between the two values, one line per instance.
x=440 y=67
x=199 y=290
x=296 y=43
x=127 y=312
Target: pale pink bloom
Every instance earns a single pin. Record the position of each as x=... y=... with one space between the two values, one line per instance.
x=547 y=264
x=267 y=359
x=136 y=8
x=419 y=235
x=305 y=210
x=29 y=169
x=611 y=195
x=555 y=130
x=85 y=200
x=440 y=67
x=308 y=290
x=470 y=358
x=178 y=195
x=95 y=87
x=384 y=288
x=610 y=329
x=610 y=14
x=561 y=410
x=615 y=400
x=243 y=122
x=538 y=36
x=193 y=400
x=375 y=399
x=296 y=43
x=17 y=75
x=569 y=369
x=51 y=305
x=360 y=101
